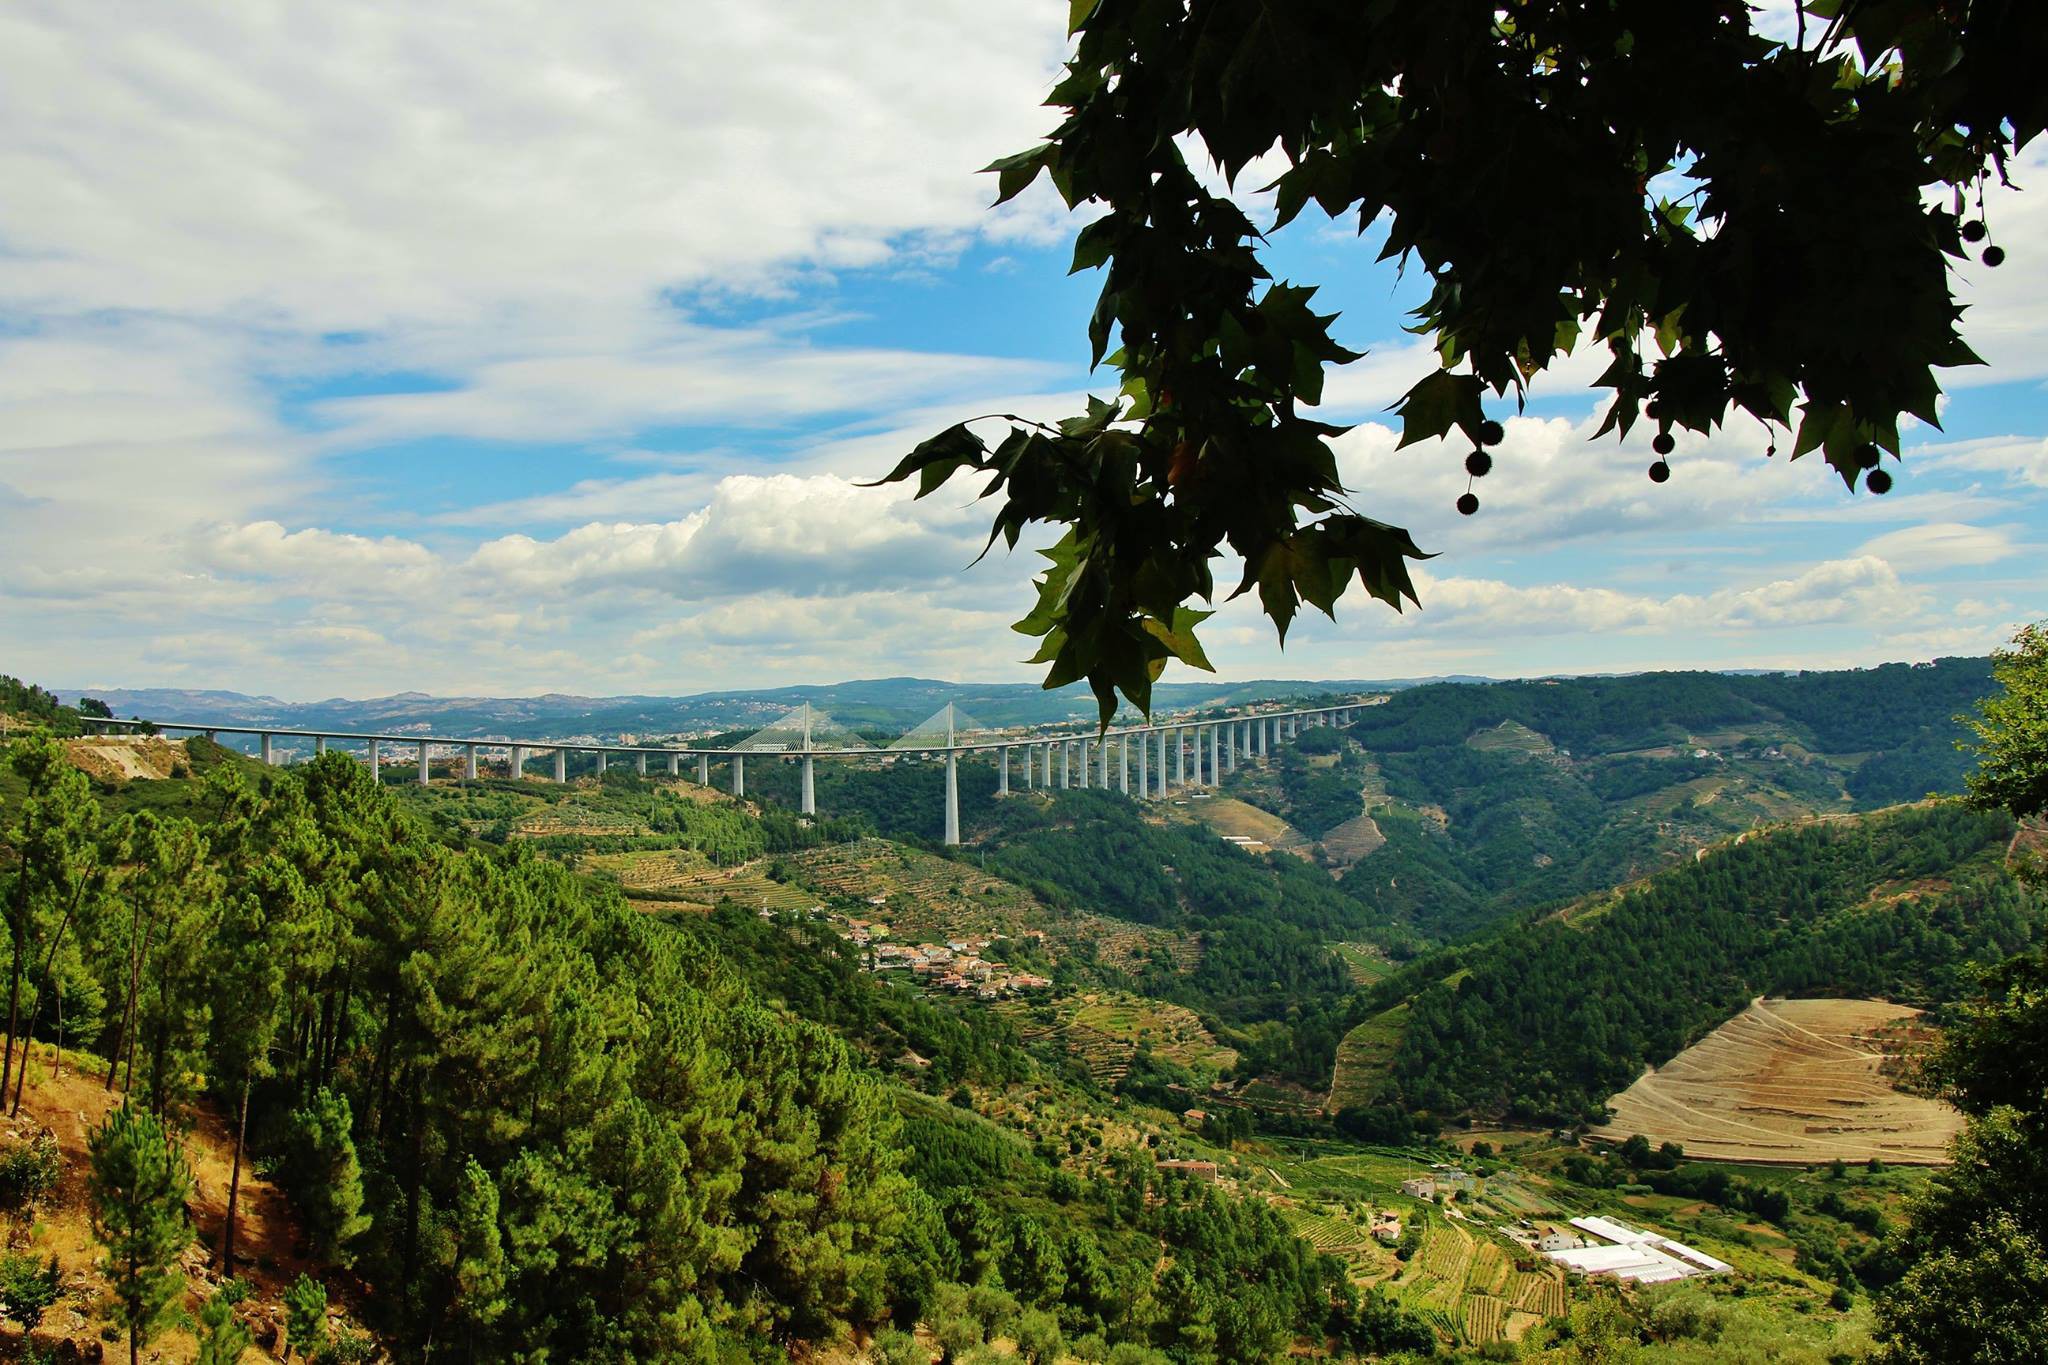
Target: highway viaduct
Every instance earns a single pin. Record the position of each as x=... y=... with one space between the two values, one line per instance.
x=1168 y=754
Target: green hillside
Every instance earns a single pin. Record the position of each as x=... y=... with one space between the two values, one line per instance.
x=1554 y=1015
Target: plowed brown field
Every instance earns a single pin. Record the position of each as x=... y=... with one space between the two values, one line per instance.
x=1789 y=1081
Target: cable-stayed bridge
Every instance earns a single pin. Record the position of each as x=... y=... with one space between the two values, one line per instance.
x=1144 y=761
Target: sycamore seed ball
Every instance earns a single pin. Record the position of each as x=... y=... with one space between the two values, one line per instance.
x=1663 y=445
x=1468 y=504
x=1659 y=472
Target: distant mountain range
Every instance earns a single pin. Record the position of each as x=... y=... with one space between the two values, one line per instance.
x=881 y=705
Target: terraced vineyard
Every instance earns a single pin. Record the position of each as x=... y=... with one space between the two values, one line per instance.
x=1485 y=1319
x=1490 y=1271
x=1329 y=1234
x=1541 y=1291
x=571 y=818
x=667 y=877
x=1363 y=961
x=1364 y=1056
x=1172 y=1031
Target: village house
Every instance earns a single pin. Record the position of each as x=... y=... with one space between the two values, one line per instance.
x=1195 y=1168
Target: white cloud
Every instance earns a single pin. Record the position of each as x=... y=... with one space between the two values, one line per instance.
x=1943 y=545
x=344 y=168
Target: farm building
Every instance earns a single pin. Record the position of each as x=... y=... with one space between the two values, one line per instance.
x=1194 y=1168
x=1628 y=1253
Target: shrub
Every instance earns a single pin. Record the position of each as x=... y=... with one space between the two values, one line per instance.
x=28 y=1287
x=28 y=1171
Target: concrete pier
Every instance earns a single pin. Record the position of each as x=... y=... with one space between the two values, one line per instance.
x=376 y=763
x=1082 y=746
x=425 y=767
x=640 y=764
x=469 y=762
x=1216 y=755
x=1123 y=765
x=1103 y=745
x=1003 y=771
x=1230 y=747
x=267 y=759
x=601 y=762
x=703 y=770
x=561 y=765
x=952 y=797
x=675 y=765
x=739 y=775
x=810 y=802
x=1144 y=778
x=515 y=763
x=319 y=745
x=1066 y=773
x=1180 y=758
x=1162 y=762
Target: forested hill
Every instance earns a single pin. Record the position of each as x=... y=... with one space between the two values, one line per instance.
x=1475 y=801
x=1888 y=709
x=1548 y=1019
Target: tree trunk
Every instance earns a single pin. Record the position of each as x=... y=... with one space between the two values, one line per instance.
x=227 y=1240
x=128 y=1002
x=49 y=963
x=19 y=928
x=135 y=1000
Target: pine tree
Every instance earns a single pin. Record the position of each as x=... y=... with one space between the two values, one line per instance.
x=139 y=1184
x=56 y=868
x=323 y=1175
x=222 y=1336
x=480 y=1274
x=305 y=1308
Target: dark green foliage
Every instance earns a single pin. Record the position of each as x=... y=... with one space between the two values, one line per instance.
x=38 y=706
x=305 y=1305
x=222 y=1336
x=139 y=1183
x=28 y=1286
x=1554 y=1016
x=814 y=972
x=1974 y=1260
x=2010 y=731
x=321 y=1170
x=1514 y=160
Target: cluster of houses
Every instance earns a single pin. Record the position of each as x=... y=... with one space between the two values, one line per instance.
x=1602 y=1246
x=955 y=965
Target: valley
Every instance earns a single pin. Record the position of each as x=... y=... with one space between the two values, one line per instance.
x=1612 y=969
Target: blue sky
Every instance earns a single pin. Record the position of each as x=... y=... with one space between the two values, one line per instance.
x=511 y=348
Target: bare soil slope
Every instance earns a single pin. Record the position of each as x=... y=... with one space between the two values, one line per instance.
x=1790 y=1081
x=70 y=1103
x=128 y=758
